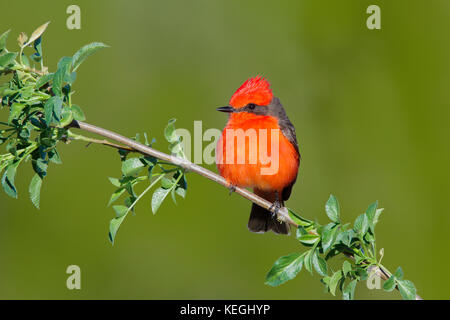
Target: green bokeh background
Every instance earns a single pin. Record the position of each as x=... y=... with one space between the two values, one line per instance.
x=371 y=111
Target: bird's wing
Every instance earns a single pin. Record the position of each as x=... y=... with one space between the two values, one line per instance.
x=288 y=130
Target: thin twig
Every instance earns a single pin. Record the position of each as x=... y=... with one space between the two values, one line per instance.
x=103 y=142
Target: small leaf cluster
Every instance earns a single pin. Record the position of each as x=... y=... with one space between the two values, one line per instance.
x=39 y=106
x=406 y=287
x=145 y=169
x=357 y=244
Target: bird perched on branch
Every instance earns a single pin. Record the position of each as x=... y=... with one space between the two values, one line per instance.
x=258 y=149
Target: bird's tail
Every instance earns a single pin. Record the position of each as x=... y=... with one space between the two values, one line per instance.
x=262 y=220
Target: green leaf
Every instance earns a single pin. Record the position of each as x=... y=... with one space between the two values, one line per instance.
x=169 y=132
x=361 y=273
x=70 y=77
x=181 y=192
x=371 y=210
x=176 y=148
x=15 y=111
x=24 y=133
x=398 y=273
x=299 y=220
x=361 y=224
x=8 y=181
x=35 y=190
x=52 y=108
x=120 y=210
x=7 y=58
x=319 y=264
x=150 y=161
x=389 y=284
x=346 y=268
x=300 y=232
x=359 y=259
x=332 y=209
x=308 y=260
x=37 y=33
x=43 y=80
x=132 y=166
x=326 y=281
x=167 y=183
x=125 y=184
x=114 y=181
x=334 y=281
x=25 y=60
x=284 y=269
x=369 y=238
x=345 y=237
x=65 y=115
x=309 y=238
x=158 y=197
x=54 y=157
x=77 y=113
x=349 y=291
x=116 y=195
x=407 y=289
x=39 y=163
x=129 y=188
x=3 y=38
x=58 y=78
x=129 y=201
x=328 y=236
x=172 y=193
x=37 y=45
x=181 y=188
x=11 y=147
x=377 y=216
x=114 y=225
x=85 y=52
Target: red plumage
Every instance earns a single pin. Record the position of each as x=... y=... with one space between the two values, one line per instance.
x=255 y=90
x=253 y=107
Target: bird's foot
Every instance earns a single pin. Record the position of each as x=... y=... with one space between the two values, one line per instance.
x=231 y=188
x=276 y=206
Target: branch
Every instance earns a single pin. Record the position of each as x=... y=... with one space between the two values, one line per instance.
x=132 y=145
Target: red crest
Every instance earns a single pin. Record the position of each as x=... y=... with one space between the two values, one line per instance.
x=255 y=90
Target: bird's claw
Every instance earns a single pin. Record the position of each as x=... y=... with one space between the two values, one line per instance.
x=276 y=206
x=231 y=188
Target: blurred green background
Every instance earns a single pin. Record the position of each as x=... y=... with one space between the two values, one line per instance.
x=371 y=112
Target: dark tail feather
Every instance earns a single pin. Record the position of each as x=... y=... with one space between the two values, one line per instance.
x=261 y=220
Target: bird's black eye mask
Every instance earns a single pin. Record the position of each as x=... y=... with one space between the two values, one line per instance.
x=249 y=108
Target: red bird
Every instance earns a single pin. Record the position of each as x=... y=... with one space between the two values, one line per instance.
x=262 y=118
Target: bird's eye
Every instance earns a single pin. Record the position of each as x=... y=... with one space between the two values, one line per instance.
x=251 y=106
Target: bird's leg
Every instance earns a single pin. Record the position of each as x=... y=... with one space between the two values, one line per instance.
x=231 y=188
x=276 y=206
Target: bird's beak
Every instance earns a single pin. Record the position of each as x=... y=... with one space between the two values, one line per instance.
x=226 y=109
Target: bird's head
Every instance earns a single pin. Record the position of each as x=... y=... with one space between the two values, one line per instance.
x=252 y=93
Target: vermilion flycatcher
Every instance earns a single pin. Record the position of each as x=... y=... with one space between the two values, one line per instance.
x=253 y=108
